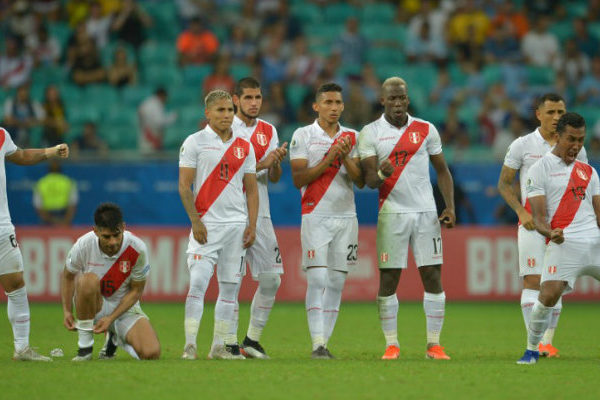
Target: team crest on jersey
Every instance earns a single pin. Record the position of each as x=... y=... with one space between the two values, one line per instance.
x=385 y=257
x=261 y=138
x=531 y=262
x=581 y=173
x=414 y=137
x=124 y=266
x=310 y=254
x=552 y=269
x=239 y=152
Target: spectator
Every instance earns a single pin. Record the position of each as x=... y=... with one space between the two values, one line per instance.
x=588 y=91
x=445 y=91
x=278 y=111
x=351 y=45
x=98 y=25
x=77 y=11
x=540 y=47
x=45 y=49
x=575 y=64
x=370 y=85
x=303 y=67
x=585 y=42
x=22 y=22
x=88 y=143
x=513 y=19
x=130 y=23
x=196 y=45
x=55 y=197
x=154 y=119
x=425 y=46
x=21 y=113
x=238 y=47
x=593 y=10
x=122 y=72
x=220 y=78
x=435 y=19
x=501 y=46
x=452 y=129
x=357 y=109
x=273 y=64
x=249 y=20
x=15 y=67
x=495 y=112
x=467 y=30
x=281 y=15
x=504 y=137
x=465 y=212
x=55 y=118
x=189 y=9
x=540 y=8
x=87 y=68
x=48 y=9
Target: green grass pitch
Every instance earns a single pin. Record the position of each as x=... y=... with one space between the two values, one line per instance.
x=484 y=341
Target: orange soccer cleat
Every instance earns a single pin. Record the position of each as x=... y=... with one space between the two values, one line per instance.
x=436 y=353
x=392 y=352
x=547 y=350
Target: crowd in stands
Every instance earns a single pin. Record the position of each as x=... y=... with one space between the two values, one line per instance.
x=94 y=72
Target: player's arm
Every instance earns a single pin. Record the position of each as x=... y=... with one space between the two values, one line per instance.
x=34 y=156
x=186 y=178
x=136 y=288
x=596 y=204
x=252 y=201
x=373 y=176
x=446 y=185
x=276 y=170
x=274 y=157
x=507 y=191
x=538 y=208
x=354 y=171
x=67 y=289
x=302 y=174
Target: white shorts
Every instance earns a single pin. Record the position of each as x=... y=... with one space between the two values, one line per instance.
x=224 y=248
x=396 y=231
x=125 y=322
x=264 y=256
x=532 y=246
x=329 y=242
x=572 y=259
x=11 y=260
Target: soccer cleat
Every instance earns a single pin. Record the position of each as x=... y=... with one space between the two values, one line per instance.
x=189 y=352
x=436 y=353
x=331 y=356
x=252 y=349
x=227 y=352
x=320 y=353
x=110 y=347
x=392 y=352
x=83 y=354
x=29 y=354
x=529 y=357
x=547 y=350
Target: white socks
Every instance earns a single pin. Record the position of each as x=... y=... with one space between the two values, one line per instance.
x=553 y=322
x=18 y=315
x=528 y=299
x=331 y=300
x=388 y=315
x=262 y=303
x=231 y=337
x=538 y=323
x=224 y=313
x=200 y=274
x=85 y=330
x=434 y=306
x=316 y=279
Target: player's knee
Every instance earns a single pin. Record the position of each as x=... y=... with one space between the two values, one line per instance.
x=336 y=279
x=150 y=353
x=549 y=298
x=269 y=283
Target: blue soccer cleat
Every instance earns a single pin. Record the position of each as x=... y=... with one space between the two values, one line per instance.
x=530 y=357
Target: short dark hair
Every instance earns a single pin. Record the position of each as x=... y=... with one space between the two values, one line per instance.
x=108 y=215
x=245 y=83
x=548 y=97
x=328 y=87
x=571 y=119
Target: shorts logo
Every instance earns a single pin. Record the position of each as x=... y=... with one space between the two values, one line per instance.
x=197 y=257
x=124 y=266
x=310 y=254
x=531 y=262
x=552 y=269
x=239 y=152
x=385 y=257
x=414 y=137
x=581 y=173
x=261 y=138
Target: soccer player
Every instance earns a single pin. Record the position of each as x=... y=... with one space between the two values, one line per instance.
x=395 y=151
x=220 y=165
x=105 y=275
x=564 y=194
x=263 y=257
x=325 y=164
x=521 y=155
x=11 y=261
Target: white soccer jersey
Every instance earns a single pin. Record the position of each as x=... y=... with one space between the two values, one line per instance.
x=7 y=147
x=412 y=191
x=263 y=137
x=524 y=151
x=329 y=195
x=220 y=168
x=568 y=204
x=115 y=272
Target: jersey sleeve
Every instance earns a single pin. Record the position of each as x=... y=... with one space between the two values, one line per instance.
x=188 y=153
x=298 y=147
x=434 y=141
x=582 y=156
x=250 y=162
x=274 y=140
x=141 y=269
x=366 y=144
x=536 y=180
x=354 y=151
x=9 y=146
x=594 y=183
x=514 y=156
x=76 y=258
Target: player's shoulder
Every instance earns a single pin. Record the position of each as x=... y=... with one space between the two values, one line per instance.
x=86 y=241
x=266 y=124
x=134 y=241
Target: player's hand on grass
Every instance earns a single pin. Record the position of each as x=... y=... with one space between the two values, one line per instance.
x=249 y=236
x=386 y=168
x=526 y=220
x=556 y=236
x=69 y=321
x=60 y=150
x=102 y=325
x=448 y=218
x=199 y=231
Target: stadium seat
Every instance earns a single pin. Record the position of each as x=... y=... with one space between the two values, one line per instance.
x=377 y=13
x=132 y=96
x=380 y=34
x=61 y=31
x=457 y=75
x=384 y=55
x=434 y=114
x=195 y=74
x=492 y=73
x=240 y=70
x=157 y=53
x=162 y=75
x=183 y=96
x=295 y=94
x=322 y=33
x=164 y=15
x=109 y=50
x=562 y=29
x=540 y=75
x=102 y=97
x=119 y=137
x=190 y=116
x=49 y=75
x=594 y=29
x=120 y=115
x=338 y=13
x=83 y=112
x=176 y=134
x=591 y=116
x=304 y=11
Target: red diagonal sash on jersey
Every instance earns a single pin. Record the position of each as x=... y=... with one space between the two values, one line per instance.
x=408 y=144
x=118 y=272
x=260 y=139
x=3 y=134
x=571 y=199
x=316 y=189
x=219 y=178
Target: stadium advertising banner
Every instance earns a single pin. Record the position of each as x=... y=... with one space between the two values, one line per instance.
x=479 y=264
